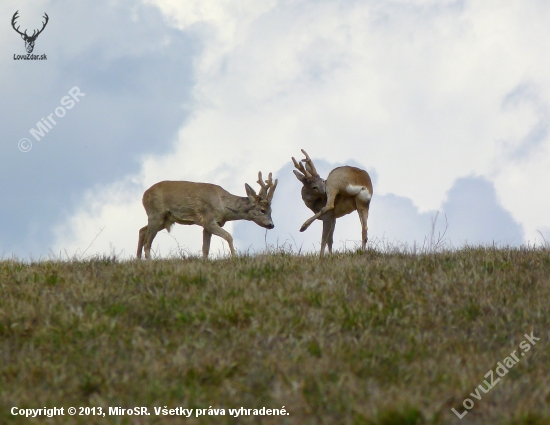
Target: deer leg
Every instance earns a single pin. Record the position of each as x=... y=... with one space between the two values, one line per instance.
x=153 y=227
x=363 y=211
x=206 y=237
x=141 y=241
x=330 y=235
x=215 y=229
x=329 y=206
x=328 y=230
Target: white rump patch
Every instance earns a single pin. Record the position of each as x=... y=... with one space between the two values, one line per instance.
x=361 y=191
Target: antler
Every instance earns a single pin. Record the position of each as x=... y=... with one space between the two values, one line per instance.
x=43 y=25
x=264 y=188
x=265 y=191
x=273 y=186
x=309 y=170
x=301 y=168
x=13 y=23
x=34 y=33
x=309 y=164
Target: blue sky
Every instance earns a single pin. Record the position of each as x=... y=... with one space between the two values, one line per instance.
x=444 y=103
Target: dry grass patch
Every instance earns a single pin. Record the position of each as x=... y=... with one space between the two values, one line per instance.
x=374 y=338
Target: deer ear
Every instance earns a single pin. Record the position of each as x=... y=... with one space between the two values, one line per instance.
x=300 y=176
x=250 y=192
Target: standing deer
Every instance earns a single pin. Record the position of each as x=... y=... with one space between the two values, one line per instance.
x=207 y=205
x=345 y=190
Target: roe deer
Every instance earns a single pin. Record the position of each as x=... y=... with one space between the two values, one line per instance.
x=345 y=190
x=207 y=205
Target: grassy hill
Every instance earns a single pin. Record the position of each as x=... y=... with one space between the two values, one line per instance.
x=373 y=338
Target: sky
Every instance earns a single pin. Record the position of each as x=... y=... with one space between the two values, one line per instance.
x=444 y=103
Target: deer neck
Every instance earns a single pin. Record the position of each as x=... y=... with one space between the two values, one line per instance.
x=314 y=202
x=236 y=208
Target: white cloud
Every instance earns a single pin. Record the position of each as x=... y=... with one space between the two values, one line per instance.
x=418 y=90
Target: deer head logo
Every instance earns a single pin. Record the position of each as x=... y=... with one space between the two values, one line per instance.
x=29 y=39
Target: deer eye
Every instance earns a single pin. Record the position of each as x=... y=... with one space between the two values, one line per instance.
x=263 y=211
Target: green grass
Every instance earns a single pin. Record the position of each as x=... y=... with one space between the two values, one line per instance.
x=375 y=338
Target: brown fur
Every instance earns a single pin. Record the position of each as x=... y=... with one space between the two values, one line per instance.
x=204 y=204
x=330 y=199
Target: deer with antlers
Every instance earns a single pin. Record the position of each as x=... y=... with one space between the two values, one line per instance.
x=345 y=190
x=29 y=39
x=204 y=204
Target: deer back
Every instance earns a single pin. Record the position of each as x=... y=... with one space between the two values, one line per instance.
x=347 y=181
x=185 y=201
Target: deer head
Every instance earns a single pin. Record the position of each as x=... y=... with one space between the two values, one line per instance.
x=29 y=39
x=313 y=191
x=260 y=211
